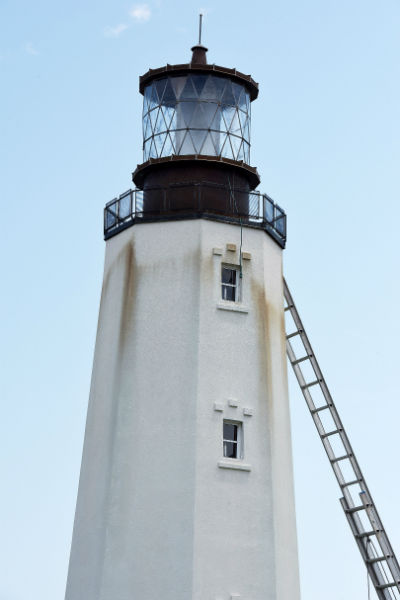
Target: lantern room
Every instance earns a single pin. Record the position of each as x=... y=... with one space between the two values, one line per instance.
x=196 y=151
x=202 y=114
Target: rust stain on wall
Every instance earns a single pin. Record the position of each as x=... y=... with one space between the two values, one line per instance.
x=106 y=283
x=272 y=324
x=263 y=318
x=130 y=276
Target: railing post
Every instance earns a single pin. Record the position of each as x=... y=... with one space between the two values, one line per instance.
x=264 y=208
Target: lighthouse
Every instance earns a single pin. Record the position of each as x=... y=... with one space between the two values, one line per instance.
x=186 y=485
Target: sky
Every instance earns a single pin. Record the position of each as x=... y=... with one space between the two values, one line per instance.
x=326 y=142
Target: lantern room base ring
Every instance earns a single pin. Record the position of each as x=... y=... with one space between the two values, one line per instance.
x=172 y=169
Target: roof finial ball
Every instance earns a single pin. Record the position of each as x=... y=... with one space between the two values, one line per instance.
x=199 y=51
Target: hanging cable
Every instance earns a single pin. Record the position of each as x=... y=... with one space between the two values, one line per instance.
x=233 y=200
x=241 y=243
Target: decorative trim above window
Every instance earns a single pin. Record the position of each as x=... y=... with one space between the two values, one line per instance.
x=233 y=402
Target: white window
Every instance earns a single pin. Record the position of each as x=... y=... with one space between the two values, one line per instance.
x=230 y=282
x=232 y=439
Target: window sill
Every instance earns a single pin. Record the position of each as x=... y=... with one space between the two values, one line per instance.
x=233 y=463
x=235 y=306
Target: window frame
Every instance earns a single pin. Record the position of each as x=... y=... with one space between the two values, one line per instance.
x=238 y=442
x=236 y=286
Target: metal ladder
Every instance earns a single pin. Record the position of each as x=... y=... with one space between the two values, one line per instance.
x=356 y=502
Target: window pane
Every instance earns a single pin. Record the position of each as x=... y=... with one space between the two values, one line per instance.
x=160 y=86
x=209 y=91
x=236 y=142
x=185 y=112
x=246 y=152
x=243 y=104
x=169 y=98
x=230 y=449
x=199 y=82
x=153 y=118
x=147 y=96
x=237 y=91
x=146 y=127
x=178 y=83
x=229 y=276
x=226 y=150
x=228 y=97
x=159 y=143
x=198 y=138
x=189 y=91
x=230 y=431
x=153 y=98
x=229 y=293
x=219 y=86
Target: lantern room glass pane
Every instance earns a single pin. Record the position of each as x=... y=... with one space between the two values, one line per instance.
x=196 y=114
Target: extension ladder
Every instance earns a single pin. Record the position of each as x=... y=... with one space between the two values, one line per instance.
x=356 y=502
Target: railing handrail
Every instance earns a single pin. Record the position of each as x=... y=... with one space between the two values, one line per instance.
x=120 y=213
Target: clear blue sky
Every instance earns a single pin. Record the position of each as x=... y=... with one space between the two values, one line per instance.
x=326 y=141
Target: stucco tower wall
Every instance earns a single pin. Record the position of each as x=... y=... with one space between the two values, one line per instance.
x=133 y=532
x=245 y=530
x=156 y=516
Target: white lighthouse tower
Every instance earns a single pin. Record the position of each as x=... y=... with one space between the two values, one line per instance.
x=186 y=487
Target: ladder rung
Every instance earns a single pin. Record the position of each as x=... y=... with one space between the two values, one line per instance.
x=368 y=533
x=324 y=407
x=298 y=332
x=325 y=435
x=303 y=358
x=377 y=559
x=355 y=509
x=350 y=483
x=289 y=307
x=384 y=586
x=307 y=385
x=333 y=460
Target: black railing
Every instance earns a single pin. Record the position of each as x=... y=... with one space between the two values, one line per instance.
x=189 y=201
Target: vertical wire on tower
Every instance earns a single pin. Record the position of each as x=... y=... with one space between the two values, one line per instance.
x=233 y=200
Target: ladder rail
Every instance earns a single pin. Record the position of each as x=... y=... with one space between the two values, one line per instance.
x=358 y=511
